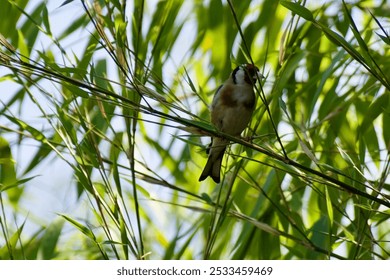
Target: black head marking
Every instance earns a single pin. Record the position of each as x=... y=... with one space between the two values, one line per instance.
x=234 y=74
x=250 y=73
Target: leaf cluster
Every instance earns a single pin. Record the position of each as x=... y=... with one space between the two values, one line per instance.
x=125 y=109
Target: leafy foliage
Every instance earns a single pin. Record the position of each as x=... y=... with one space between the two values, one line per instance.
x=119 y=96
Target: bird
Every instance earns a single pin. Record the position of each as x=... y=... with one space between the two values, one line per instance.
x=231 y=110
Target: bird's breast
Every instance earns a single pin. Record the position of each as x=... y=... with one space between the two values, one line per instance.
x=232 y=109
x=235 y=95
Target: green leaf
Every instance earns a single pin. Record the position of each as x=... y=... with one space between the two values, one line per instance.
x=374 y=110
x=22 y=47
x=7 y=164
x=38 y=135
x=385 y=39
x=329 y=206
x=385 y=125
x=86 y=231
x=46 y=21
x=298 y=9
x=66 y=2
x=49 y=240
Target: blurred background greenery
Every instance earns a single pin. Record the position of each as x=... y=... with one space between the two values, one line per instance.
x=104 y=124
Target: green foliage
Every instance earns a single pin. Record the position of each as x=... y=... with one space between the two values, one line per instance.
x=124 y=107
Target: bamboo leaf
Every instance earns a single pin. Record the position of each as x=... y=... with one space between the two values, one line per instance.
x=298 y=9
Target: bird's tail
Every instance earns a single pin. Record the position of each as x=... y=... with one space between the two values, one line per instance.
x=213 y=165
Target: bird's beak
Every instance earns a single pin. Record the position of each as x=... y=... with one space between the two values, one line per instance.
x=258 y=75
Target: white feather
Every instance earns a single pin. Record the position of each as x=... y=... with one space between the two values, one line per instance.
x=240 y=76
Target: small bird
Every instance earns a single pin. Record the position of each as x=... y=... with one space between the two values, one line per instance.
x=231 y=111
